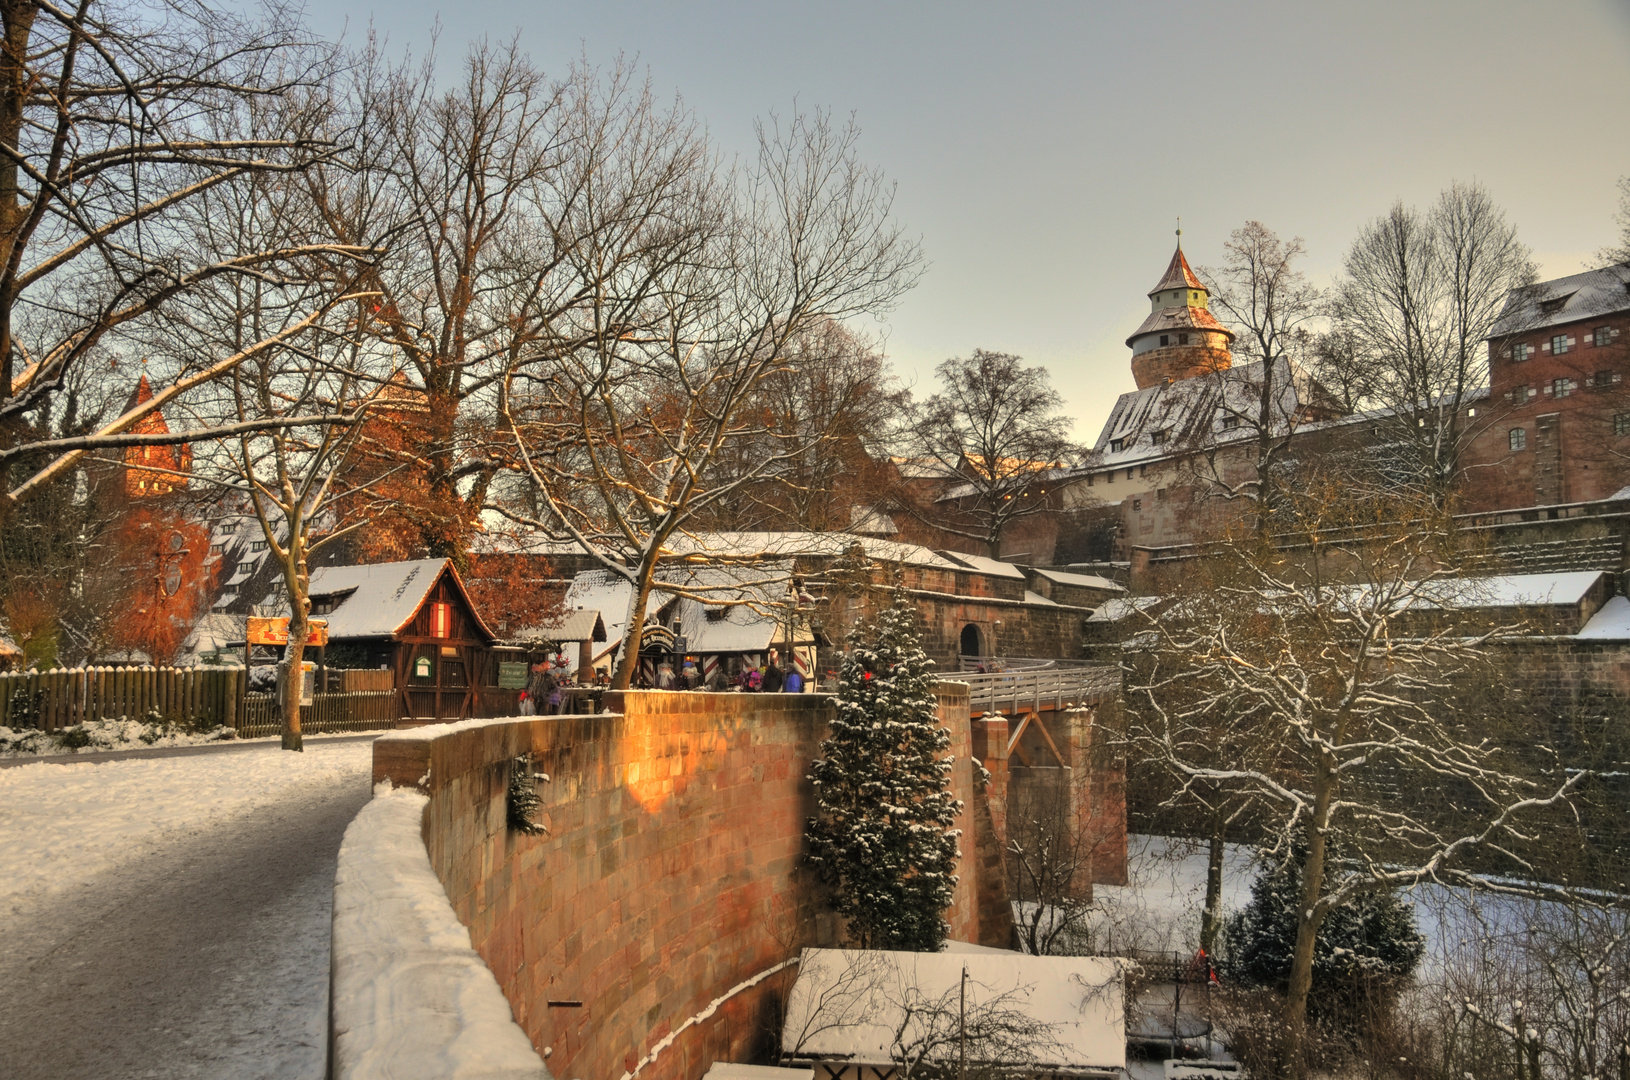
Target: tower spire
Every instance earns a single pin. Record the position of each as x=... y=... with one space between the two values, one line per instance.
x=1180 y=233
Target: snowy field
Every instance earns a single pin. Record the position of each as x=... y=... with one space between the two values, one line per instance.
x=169 y=917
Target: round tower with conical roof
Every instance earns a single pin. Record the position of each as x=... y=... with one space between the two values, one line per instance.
x=1180 y=339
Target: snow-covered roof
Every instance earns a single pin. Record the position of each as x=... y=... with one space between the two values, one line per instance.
x=378 y=599
x=1120 y=607
x=871 y=520
x=746 y=604
x=1612 y=623
x=1511 y=590
x=214 y=632
x=1037 y=598
x=848 y=1004
x=1582 y=296
x=579 y=624
x=985 y=565
x=1179 y=318
x=783 y=545
x=610 y=595
x=1085 y=581
x=1189 y=414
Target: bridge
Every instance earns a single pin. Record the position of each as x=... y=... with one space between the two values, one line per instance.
x=1024 y=688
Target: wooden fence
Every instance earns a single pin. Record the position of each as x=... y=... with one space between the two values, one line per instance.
x=359 y=710
x=206 y=697
x=63 y=697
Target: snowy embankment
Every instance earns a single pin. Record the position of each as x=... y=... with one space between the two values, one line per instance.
x=64 y=825
x=105 y=735
x=411 y=998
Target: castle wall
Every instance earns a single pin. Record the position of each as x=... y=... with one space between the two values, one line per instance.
x=672 y=867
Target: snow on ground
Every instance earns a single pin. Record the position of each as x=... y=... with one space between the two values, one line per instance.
x=63 y=825
x=1158 y=910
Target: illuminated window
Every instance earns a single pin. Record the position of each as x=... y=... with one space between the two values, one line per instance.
x=441 y=620
x=1518 y=438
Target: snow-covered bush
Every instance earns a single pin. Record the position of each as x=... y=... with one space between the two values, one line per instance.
x=882 y=835
x=120 y=734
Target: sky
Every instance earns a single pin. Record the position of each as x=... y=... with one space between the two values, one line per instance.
x=1043 y=152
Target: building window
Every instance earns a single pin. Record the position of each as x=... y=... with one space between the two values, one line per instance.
x=258 y=545
x=1520 y=394
x=1117 y=445
x=1519 y=353
x=1129 y=472
x=1471 y=413
x=1182 y=339
x=1563 y=387
x=1517 y=438
x=216 y=549
x=1137 y=504
x=1621 y=423
x=1109 y=477
x=1604 y=378
x=1559 y=344
x=1550 y=307
x=1230 y=422
x=1604 y=335
x=441 y=620
x=1165 y=340
x=1158 y=438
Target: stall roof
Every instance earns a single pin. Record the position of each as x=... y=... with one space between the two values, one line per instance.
x=578 y=624
x=378 y=599
x=848 y=1004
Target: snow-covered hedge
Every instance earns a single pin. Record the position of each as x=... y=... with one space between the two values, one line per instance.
x=411 y=997
x=106 y=735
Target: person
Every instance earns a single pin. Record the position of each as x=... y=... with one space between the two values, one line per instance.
x=528 y=708
x=549 y=692
x=773 y=677
x=751 y=678
x=665 y=676
x=687 y=675
x=794 y=683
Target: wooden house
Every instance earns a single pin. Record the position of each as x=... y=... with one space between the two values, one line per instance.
x=417 y=620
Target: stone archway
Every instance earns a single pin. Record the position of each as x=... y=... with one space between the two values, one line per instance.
x=972 y=642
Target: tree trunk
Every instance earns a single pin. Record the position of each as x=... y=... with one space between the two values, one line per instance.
x=298 y=579
x=1211 y=917
x=629 y=661
x=1308 y=919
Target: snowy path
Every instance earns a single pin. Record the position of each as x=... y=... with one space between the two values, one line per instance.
x=170 y=918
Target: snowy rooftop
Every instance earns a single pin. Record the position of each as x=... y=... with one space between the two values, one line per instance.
x=375 y=600
x=848 y=1004
x=1612 y=623
x=985 y=565
x=1086 y=581
x=1118 y=608
x=1581 y=296
x=782 y=545
x=1512 y=590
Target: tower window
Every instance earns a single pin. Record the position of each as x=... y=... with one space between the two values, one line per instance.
x=1182 y=339
x=1165 y=339
x=1517 y=438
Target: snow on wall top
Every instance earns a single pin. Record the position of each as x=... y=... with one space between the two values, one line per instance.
x=411 y=998
x=1512 y=590
x=1612 y=623
x=848 y=1003
x=781 y=545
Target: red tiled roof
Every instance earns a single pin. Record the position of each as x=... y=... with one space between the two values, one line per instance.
x=1178 y=275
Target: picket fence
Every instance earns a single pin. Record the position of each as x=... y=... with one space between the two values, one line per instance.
x=63 y=697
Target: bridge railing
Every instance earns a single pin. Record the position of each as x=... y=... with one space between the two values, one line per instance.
x=1037 y=688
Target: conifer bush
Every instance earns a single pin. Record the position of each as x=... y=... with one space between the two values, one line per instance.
x=882 y=836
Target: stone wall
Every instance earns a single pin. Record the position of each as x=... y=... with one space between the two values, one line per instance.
x=671 y=870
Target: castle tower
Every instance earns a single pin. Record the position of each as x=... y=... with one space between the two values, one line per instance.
x=1180 y=339
x=162 y=462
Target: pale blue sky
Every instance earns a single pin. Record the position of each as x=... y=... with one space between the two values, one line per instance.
x=1042 y=151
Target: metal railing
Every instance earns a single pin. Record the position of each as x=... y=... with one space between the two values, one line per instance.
x=1036 y=689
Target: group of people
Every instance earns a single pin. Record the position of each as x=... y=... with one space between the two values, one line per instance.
x=549 y=687
x=749 y=678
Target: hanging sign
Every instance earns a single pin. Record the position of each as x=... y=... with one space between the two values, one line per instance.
x=512 y=676
x=275 y=631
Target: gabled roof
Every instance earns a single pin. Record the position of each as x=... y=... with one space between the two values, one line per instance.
x=1582 y=296
x=580 y=624
x=1087 y=581
x=1178 y=275
x=380 y=599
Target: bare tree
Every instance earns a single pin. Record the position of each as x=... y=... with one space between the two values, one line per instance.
x=1315 y=683
x=1620 y=252
x=1050 y=847
x=1419 y=295
x=1271 y=307
x=113 y=121
x=996 y=425
x=624 y=419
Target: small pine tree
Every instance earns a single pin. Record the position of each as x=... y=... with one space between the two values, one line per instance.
x=882 y=834
x=1364 y=951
